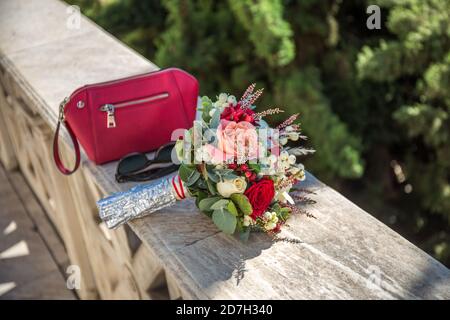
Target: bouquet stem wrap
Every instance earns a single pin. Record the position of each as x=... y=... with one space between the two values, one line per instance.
x=140 y=201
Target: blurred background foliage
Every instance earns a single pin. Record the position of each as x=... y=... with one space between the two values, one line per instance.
x=375 y=103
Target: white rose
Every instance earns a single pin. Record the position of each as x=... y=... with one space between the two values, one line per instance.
x=229 y=186
x=283 y=140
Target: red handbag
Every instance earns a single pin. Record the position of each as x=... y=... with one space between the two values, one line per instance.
x=135 y=114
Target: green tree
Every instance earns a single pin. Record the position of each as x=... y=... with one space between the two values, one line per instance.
x=228 y=45
x=418 y=58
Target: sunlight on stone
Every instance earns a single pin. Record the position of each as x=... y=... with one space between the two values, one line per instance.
x=18 y=250
x=10 y=228
x=105 y=231
x=6 y=287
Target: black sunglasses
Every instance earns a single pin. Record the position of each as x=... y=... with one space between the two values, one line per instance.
x=137 y=167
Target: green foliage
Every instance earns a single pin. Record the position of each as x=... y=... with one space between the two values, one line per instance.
x=224 y=220
x=419 y=57
x=241 y=201
x=231 y=51
x=221 y=204
x=206 y=204
x=282 y=212
x=269 y=33
x=232 y=208
x=188 y=174
x=338 y=152
x=135 y=22
x=206 y=107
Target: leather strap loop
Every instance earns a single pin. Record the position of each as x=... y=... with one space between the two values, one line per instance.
x=56 y=155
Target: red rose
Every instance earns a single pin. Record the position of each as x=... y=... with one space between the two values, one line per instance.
x=238 y=114
x=260 y=195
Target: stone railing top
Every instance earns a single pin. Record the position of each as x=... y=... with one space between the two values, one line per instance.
x=345 y=253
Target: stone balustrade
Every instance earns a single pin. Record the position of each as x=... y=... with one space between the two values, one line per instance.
x=344 y=253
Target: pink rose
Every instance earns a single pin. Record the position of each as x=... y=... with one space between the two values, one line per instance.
x=236 y=140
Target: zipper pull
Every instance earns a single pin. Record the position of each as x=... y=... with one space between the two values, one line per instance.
x=62 y=105
x=110 y=118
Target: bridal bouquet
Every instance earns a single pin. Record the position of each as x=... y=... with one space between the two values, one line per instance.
x=239 y=169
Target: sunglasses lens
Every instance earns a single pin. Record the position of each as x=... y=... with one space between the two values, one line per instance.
x=132 y=163
x=164 y=154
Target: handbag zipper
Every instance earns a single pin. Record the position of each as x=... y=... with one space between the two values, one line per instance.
x=105 y=83
x=110 y=108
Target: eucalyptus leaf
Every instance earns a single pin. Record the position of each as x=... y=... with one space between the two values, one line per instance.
x=229 y=176
x=199 y=196
x=215 y=119
x=221 y=204
x=185 y=171
x=195 y=175
x=211 y=187
x=224 y=220
x=214 y=177
x=224 y=171
x=205 y=204
x=201 y=184
x=206 y=108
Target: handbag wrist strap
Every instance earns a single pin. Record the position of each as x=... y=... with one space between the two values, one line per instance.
x=56 y=156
